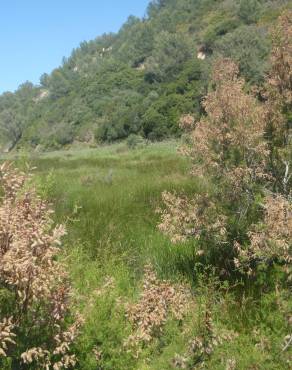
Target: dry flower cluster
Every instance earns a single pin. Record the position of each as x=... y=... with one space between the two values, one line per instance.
x=184 y=218
x=279 y=105
x=158 y=300
x=242 y=144
x=273 y=238
x=29 y=270
x=227 y=142
x=281 y=58
x=6 y=335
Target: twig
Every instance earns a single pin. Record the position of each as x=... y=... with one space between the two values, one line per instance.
x=289 y=341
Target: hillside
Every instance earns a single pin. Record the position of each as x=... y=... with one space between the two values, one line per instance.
x=142 y=79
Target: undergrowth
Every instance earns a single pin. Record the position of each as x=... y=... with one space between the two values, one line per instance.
x=112 y=234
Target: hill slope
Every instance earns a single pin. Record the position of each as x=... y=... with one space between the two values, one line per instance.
x=140 y=80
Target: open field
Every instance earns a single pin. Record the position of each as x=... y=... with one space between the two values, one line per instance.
x=107 y=198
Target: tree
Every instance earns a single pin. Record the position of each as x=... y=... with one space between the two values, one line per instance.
x=245 y=218
x=11 y=125
x=154 y=124
x=278 y=94
x=249 y=47
x=170 y=52
x=58 y=84
x=137 y=44
x=45 y=80
x=155 y=6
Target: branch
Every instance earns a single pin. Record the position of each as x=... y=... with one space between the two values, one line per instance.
x=289 y=341
x=286 y=176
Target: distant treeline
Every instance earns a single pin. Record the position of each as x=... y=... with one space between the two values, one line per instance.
x=142 y=79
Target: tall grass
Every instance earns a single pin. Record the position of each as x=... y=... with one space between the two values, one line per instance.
x=107 y=198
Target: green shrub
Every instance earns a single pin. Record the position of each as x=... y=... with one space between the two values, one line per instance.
x=133 y=141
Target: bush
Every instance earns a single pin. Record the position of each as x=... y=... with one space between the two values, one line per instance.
x=64 y=135
x=134 y=141
x=249 y=11
x=242 y=147
x=154 y=124
x=33 y=325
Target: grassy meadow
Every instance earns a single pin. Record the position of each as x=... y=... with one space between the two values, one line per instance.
x=107 y=198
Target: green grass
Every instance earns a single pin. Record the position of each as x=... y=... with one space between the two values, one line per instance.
x=107 y=198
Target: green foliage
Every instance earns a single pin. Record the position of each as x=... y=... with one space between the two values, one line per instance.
x=218 y=28
x=249 y=46
x=154 y=124
x=133 y=141
x=249 y=11
x=170 y=52
x=120 y=84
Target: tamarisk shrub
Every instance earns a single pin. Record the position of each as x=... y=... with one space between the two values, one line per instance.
x=158 y=300
x=34 y=331
x=226 y=146
x=202 y=346
x=6 y=335
x=227 y=142
x=197 y=217
x=208 y=332
x=242 y=146
x=278 y=107
x=272 y=238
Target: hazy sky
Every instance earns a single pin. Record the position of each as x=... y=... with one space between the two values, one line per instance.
x=36 y=34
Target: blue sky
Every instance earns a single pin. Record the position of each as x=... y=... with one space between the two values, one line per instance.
x=36 y=34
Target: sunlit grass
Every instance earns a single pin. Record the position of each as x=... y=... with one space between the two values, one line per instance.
x=107 y=197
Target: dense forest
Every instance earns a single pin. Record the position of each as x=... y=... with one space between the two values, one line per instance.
x=139 y=81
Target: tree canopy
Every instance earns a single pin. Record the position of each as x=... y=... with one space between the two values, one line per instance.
x=141 y=79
